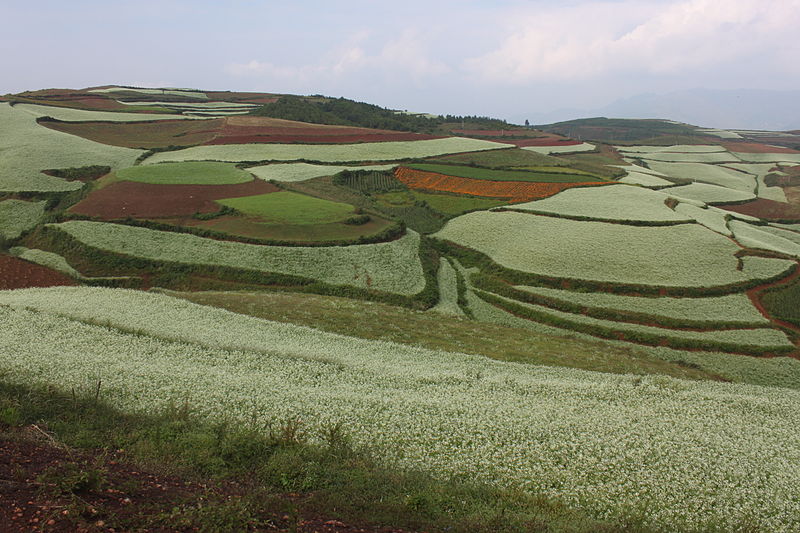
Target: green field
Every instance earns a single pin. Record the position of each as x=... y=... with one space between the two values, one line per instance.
x=455 y=205
x=290 y=208
x=783 y=302
x=503 y=175
x=192 y=173
x=511 y=157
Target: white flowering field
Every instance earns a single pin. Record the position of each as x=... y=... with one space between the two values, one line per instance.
x=710 y=193
x=730 y=308
x=17 y=216
x=375 y=151
x=712 y=174
x=292 y=172
x=84 y=115
x=765 y=337
x=188 y=93
x=448 y=290
x=621 y=203
x=675 y=148
x=644 y=179
x=713 y=219
x=46 y=259
x=788 y=159
x=28 y=148
x=389 y=266
x=686 y=455
x=566 y=149
x=686 y=255
x=754 y=237
x=694 y=157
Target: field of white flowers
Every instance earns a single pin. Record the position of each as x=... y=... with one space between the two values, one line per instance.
x=567 y=149
x=644 y=179
x=710 y=194
x=619 y=203
x=713 y=219
x=291 y=172
x=686 y=255
x=376 y=151
x=728 y=308
x=711 y=174
x=389 y=266
x=83 y=115
x=788 y=159
x=17 y=216
x=448 y=290
x=755 y=237
x=685 y=455
x=28 y=148
x=188 y=93
x=46 y=259
x=675 y=148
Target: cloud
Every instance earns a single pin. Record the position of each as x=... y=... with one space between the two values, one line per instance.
x=589 y=40
x=405 y=56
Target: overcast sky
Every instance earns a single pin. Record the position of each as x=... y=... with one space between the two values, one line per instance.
x=502 y=58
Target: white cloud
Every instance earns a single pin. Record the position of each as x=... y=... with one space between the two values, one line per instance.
x=587 y=40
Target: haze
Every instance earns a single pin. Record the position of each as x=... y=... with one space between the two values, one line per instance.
x=540 y=60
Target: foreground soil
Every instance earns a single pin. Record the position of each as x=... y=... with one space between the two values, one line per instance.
x=47 y=487
x=18 y=274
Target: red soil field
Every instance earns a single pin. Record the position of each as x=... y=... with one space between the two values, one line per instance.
x=757 y=148
x=18 y=274
x=767 y=209
x=151 y=134
x=320 y=139
x=143 y=200
x=540 y=142
x=515 y=191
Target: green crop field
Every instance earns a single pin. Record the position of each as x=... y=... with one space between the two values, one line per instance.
x=190 y=173
x=508 y=158
x=455 y=205
x=17 y=216
x=505 y=175
x=782 y=302
x=290 y=208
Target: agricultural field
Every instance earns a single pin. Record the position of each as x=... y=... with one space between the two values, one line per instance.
x=28 y=149
x=687 y=255
x=67 y=114
x=541 y=174
x=613 y=203
x=457 y=414
x=145 y=135
x=451 y=204
x=290 y=208
x=705 y=173
x=710 y=194
x=18 y=216
x=375 y=151
x=189 y=173
x=392 y=267
x=20 y=274
x=504 y=158
x=292 y=172
x=644 y=179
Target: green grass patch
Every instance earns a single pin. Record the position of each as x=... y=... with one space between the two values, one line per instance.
x=511 y=157
x=455 y=205
x=784 y=302
x=290 y=208
x=189 y=173
x=503 y=175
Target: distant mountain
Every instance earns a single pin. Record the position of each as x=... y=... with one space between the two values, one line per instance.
x=731 y=109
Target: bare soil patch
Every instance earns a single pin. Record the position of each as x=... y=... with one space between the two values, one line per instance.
x=767 y=209
x=18 y=274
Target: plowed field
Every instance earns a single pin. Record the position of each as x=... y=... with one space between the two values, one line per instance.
x=757 y=148
x=515 y=191
x=767 y=209
x=18 y=274
x=143 y=200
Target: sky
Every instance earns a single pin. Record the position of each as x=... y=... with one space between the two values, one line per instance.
x=503 y=58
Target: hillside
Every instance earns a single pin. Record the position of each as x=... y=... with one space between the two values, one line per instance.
x=589 y=325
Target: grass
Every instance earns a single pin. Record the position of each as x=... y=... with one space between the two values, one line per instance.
x=511 y=157
x=290 y=208
x=371 y=320
x=503 y=175
x=192 y=173
x=455 y=205
x=333 y=478
x=784 y=302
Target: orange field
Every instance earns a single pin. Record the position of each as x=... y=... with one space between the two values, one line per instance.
x=514 y=191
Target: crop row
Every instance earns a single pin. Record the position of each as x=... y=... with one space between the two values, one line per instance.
x=687 y=455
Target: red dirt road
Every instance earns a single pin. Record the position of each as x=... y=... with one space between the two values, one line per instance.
x=143 y=200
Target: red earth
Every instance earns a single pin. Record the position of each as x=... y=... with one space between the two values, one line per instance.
x=767 y=209
x=18 y=274
x=125 y=199
x=757 y=148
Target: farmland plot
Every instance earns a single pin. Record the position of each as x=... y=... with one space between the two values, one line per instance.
x=391 y=266
x=544 y=430
x=447 y=278
x=701 y=157
x=28 y=148
x=715 y=220
x=561 y=149
x=188 y=93
x=645 y=180
x=686 y=255
x=712 y=174
x=618 y=203
x=710 y=194
x=730 y=308
x=17 y=216
x=81 y=115
x=754 y=237
x=788 y=159
x=46 y=259
x=677 y=148
x=293 y=172
x=189 y=173
x=375 y=151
